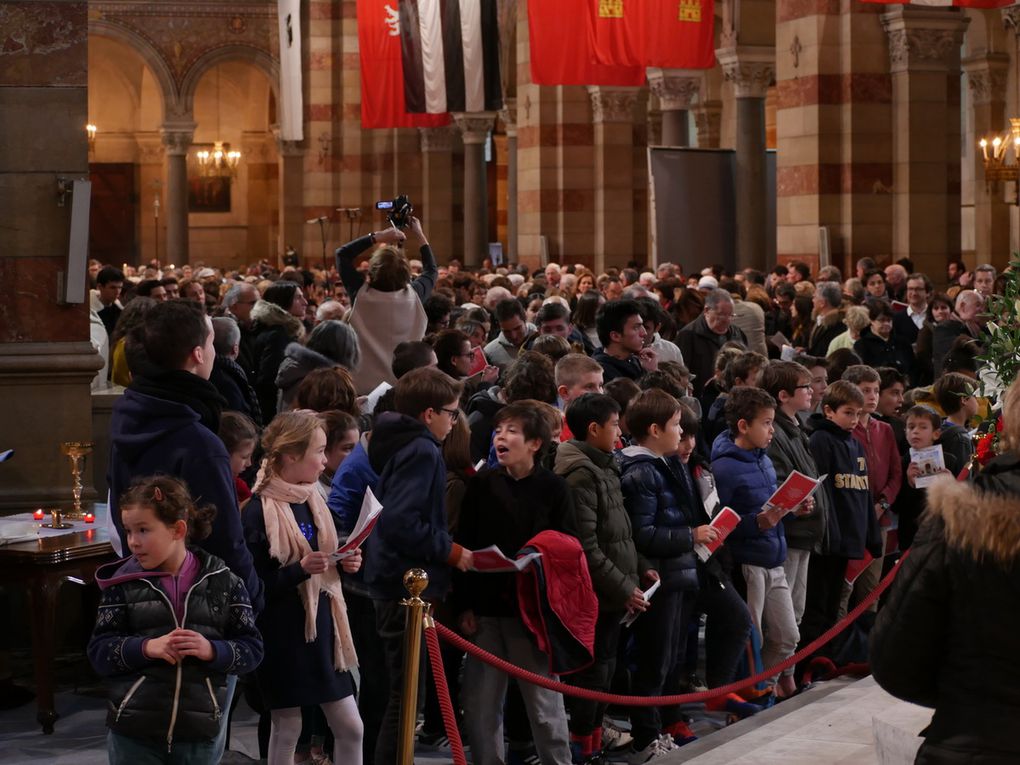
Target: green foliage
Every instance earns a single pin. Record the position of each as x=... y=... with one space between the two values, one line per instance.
x=1002 y=347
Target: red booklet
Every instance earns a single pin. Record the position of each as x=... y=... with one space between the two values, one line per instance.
x=795 y=489
x=724 y=522
x=855 y=568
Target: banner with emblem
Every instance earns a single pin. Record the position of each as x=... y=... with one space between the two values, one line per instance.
x=382 y=75
x=562 y=52
x=291 y=104
x=669 y=34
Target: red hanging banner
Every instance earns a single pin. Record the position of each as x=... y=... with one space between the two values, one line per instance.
x=670 y=34
x=382 y=74
x=561 y=49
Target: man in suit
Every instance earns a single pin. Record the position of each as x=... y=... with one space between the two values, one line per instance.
x=907 y=323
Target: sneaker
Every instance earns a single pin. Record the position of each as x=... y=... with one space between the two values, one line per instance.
x=613 y=736
x=681 y=734
x=696 y=684
x=433 y=742
x=633 y=756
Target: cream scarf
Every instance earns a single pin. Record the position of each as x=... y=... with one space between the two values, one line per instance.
x=288 y=545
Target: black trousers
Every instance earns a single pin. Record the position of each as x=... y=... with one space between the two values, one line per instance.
x=826 y=574
x=389 y=623
x=374 y=689
x=585 y=715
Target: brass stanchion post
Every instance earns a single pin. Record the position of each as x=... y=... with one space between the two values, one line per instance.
x=415 y=581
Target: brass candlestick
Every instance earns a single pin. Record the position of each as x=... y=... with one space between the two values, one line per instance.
x=57 y=520
x=76 y=452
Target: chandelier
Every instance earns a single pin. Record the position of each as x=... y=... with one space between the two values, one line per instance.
x=222 y=161
x=997 y=167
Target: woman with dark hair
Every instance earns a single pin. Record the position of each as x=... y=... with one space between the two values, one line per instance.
x=878 y=347
x=800 y=321
x=456 y=357
x=874 y=284
x=947 y=636
x=276 y=322
x=132 y=316
x=332 y=343
x=940 y=309
x=588 y=304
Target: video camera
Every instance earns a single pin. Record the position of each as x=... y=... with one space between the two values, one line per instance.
x=399 y=210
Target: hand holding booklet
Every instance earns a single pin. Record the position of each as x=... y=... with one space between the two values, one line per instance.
x=795 y=490
x=370 y=510
x=491 y=560
x=931 y=462
x=724 y=522
x=628 y=618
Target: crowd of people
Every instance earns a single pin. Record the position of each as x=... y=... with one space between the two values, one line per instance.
x=603 y=419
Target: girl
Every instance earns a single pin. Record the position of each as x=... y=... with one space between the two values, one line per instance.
x=291 y=535
x=239 y=434
x=173 y=623
x=342 y=436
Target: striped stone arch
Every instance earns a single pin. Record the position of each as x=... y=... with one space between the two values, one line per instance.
x=260 y=59
x=152 y=57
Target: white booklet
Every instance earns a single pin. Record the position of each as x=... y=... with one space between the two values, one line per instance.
x=370 y=510
x=628 y=619
x=931 y=461
x=491 y=560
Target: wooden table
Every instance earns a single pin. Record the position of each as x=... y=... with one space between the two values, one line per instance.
x=43 y=565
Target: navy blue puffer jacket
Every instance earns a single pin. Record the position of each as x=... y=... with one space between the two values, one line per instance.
x=746 y=480
x=663 y=516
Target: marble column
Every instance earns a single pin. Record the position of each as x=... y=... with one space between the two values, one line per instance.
x=986 y=77
x=437 y=189
x=677 y=90
x=750 y=70
x=474 y=129
x=290 y=190
x=177 y=137
x=922 y=45
x=613 y=112
x=509 y=116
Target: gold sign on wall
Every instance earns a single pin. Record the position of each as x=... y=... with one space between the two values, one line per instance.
x=610 y=9
x=689 y=10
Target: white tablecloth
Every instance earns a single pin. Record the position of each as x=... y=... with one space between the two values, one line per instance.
x=22 y=527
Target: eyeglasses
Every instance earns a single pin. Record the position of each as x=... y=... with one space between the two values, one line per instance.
x=805 y=386
x=454 y=413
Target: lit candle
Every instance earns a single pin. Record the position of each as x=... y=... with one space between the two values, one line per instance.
x=984 y=149
x=39 y=514
x=90 y=518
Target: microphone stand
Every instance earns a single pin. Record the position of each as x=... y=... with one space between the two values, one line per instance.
x=322 y=229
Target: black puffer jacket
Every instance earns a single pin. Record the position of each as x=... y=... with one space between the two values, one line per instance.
x=947 y=637
x=662 y=516
x=150 y=699
x=274 y=329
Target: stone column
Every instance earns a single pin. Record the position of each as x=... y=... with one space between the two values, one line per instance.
x=437 y=193
x=474 y=129
x=986 y=78
x=177 y=137
x=509 y=116
x=708 y=121
x=750 y=70
x=921 y=46
x=151 y=162
x=677 y=90
x=290 y=190
x=613 y=112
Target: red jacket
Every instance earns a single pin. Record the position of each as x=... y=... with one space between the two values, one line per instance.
x=557 y=601
x=885 y=471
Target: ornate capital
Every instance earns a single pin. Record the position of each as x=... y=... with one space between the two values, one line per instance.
x=508 y=115
x=474 y=126
x=676 y=88
x=750 y=70
x=436 y=139
x=923 y=40
x=986 y=77
x=150 y=148
x=1011 y=18
x=614 y=104
x=177 y=137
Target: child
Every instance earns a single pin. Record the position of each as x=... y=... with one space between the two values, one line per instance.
x=576 y=374
x=506 y=506
x=819 y=369
x=923 y=430
x=173 y=623
x=954 y=394
x=885 y=474
x=239 y=434
x=291 y=534
x=840 y=457
x=891 y=387
x=406 y=453
x=667 y=524
x=622 y=390
x=600 y=521
x=341 y=438
x=745 y=369
x=746 y=480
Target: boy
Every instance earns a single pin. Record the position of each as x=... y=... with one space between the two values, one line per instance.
x=622 y=334
x=745 y=369
x=405 y=452
x=891 y=387
x=819 y=369
x=924 y=426
x=885 y=473
x=789 y=383
x=667 y=523
x=746 y=480
x=507 y=506
x=618 y=572
x=954 y=394
x=841 y=458
x=576 y=374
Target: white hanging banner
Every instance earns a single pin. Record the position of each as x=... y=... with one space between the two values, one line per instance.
x=291 y=105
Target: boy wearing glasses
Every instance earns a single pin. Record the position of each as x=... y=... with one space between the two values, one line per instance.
x=406 y=453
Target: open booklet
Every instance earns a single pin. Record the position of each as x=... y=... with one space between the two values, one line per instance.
x=724 y=522
x=628 y=618
x=795 y=489
x=931 y=461
x=370 y=510
x=491 y=560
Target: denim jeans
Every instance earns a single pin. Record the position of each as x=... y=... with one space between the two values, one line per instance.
x=124 y=750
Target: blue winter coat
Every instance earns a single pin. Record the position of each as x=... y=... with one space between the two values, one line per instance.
x=150 y=435
x=662 y=517
x=347 y=491
x=746 y=480
x=412 y=529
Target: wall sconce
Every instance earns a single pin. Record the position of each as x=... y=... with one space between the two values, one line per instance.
x=90 y=132
x=998 y=168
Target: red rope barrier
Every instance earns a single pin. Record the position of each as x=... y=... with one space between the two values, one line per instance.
x=443 y=692
x=654 y=701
